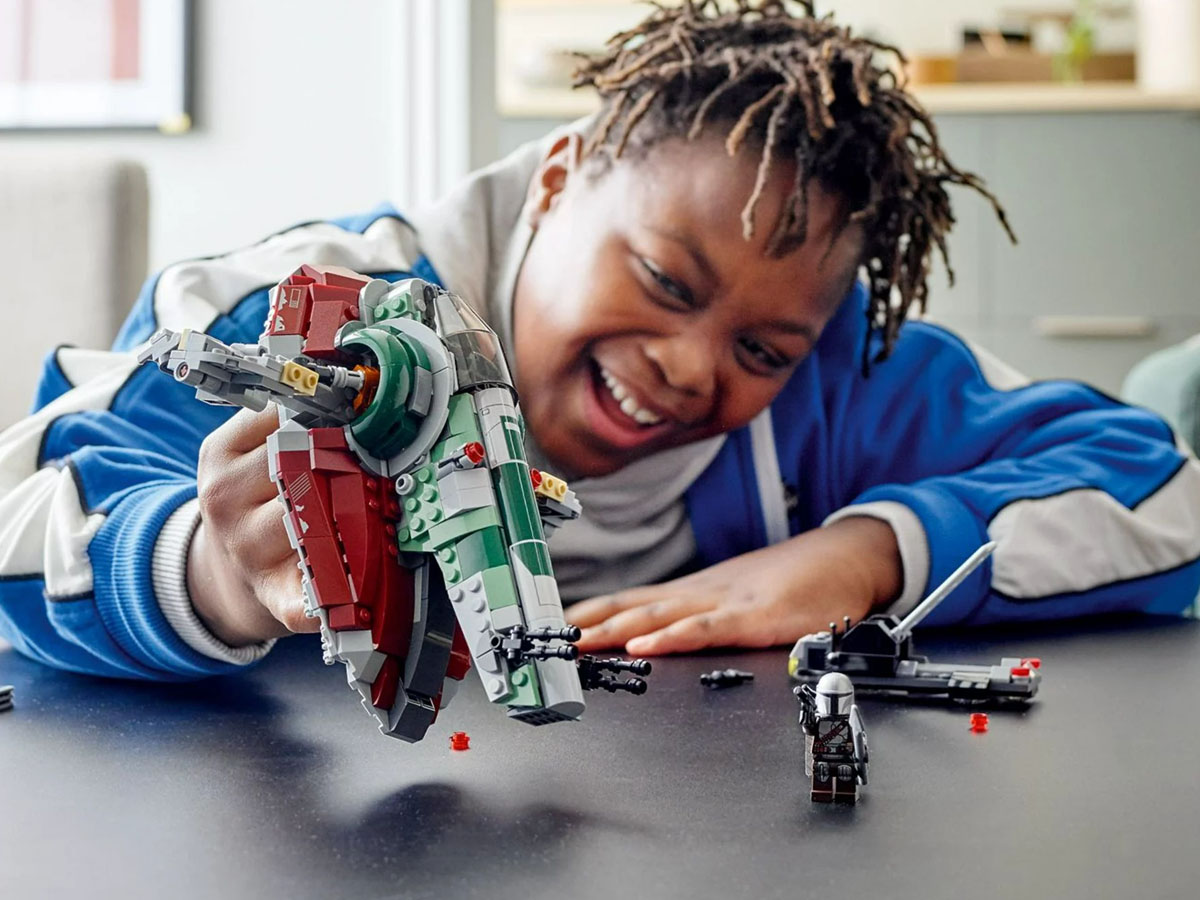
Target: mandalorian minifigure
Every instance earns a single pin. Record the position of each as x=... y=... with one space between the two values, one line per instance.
x=835 y=742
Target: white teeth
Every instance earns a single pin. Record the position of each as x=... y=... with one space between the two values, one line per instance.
x=626 y=402
x=645 y=417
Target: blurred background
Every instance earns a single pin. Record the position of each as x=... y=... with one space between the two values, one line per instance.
x=134 y=133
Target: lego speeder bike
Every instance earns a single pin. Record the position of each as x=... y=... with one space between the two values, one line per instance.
x=877 y=654
x=419 y=525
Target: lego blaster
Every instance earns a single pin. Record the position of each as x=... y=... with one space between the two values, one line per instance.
x=808 y=706
x=419 y=526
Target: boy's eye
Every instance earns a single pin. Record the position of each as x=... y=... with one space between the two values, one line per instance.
x=762 y=358
x=666 y=283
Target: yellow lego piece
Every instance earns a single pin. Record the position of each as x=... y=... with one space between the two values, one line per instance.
x=301 y=378
x=554 y=488
x=793 y=665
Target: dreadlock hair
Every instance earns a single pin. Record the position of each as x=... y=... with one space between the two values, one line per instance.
x=800 y=87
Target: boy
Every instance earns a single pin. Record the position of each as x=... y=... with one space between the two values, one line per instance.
x=677 y=284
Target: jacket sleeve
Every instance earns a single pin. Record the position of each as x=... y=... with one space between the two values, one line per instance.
x=98 y=485
x=1094 y=505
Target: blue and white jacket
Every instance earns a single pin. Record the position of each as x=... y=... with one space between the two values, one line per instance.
x=1094 y=506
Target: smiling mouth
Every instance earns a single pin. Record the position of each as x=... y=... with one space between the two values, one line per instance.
x=616 y=415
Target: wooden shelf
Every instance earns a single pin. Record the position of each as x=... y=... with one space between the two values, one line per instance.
x=1096 y=96
x=562 y=103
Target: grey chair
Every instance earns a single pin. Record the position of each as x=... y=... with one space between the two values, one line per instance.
x=73 y=254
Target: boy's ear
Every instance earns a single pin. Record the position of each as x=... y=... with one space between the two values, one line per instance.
x=560 y=163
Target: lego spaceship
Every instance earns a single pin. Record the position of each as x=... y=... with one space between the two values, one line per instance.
x=419 y=526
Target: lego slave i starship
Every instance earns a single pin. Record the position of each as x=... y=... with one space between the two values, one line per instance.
x=877 y=654
x=419 y=525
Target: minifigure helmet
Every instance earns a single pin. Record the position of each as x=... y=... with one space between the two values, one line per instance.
x=835 y=695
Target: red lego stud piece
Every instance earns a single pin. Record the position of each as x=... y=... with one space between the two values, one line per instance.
x=473 y=452
x=536 y=477
x=1020 y=671
x=460 y=740
x=979 y=723
x=1033 y=662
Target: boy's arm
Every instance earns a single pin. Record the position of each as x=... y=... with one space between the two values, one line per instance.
x=1092 y=504
x=96 y=502
x=98 y=487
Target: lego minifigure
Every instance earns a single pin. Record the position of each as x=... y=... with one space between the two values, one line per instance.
x=419 y=526
x=723 y=678
x=835 y=743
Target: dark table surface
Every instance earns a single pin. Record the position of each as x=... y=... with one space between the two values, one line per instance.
x=274 y=783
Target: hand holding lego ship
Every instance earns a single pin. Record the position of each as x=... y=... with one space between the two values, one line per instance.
x=419 y=526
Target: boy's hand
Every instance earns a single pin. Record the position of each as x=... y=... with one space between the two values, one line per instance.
x=760 y=599
x=241 y=571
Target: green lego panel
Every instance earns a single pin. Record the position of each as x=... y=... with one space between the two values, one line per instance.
x=421 y=510
x=399 y=306
x=524 y=687
x=534 y=555
x=481 y=550
x=514 y=437
x=462 y=420
x=498 y=583
x=516 y=498
x=449 y=531
x=447 y=560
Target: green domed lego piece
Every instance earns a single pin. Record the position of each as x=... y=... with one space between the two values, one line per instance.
x=398 y=305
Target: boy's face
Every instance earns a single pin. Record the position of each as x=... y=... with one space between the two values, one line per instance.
x=643 y=319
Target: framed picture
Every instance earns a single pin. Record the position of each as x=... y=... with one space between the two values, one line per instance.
x=95 y=64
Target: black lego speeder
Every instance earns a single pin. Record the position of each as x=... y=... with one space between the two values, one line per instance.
x=877 y=656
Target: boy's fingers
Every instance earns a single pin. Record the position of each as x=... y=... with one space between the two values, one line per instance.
x=615 y=631
x=263 y=537
x=242 y=433
x=281 y=595
x=251 y=473
x=251 y=429
x=590 y=612
x=714 y=628
x=232 y=487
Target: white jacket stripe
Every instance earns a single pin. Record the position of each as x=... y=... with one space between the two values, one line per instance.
x=1084 y=539
x=24 y=512
x=769 y=478
x=192 y=294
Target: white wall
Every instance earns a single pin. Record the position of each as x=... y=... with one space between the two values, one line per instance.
x=292 y=123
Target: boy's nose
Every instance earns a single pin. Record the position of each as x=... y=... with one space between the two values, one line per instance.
x=687 y=366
